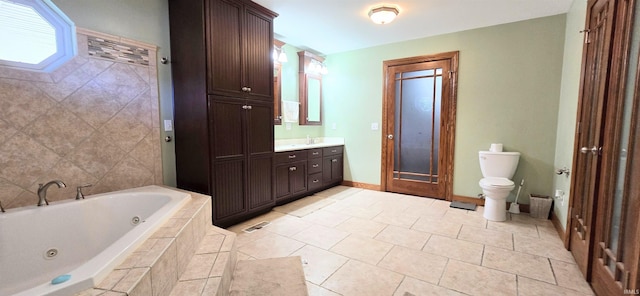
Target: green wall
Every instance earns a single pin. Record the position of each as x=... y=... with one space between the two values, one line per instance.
x=508 y=92
x=142 y=20
x=568 y=103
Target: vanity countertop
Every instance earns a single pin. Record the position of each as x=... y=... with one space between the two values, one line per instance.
x=300 y=144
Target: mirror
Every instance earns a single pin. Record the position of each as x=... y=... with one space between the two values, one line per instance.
x=277 y=80
x=314 y=95
x=311 y=69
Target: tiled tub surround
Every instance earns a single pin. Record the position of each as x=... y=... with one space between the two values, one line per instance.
x=93 y=120
x=186 y=256
x=299 y=144
x=83 y=239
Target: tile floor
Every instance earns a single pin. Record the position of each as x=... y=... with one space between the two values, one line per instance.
x=362 y=242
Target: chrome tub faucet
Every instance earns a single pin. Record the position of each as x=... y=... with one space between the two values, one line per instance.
x=42 y=191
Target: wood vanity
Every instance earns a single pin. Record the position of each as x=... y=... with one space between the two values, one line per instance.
x=299 y=173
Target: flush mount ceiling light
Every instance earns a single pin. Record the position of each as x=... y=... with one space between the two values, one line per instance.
x=383 y=14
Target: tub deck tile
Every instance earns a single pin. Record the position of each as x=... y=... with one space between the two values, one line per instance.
x=186 y=256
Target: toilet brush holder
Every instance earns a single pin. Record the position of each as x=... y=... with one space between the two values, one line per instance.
x=514 y=208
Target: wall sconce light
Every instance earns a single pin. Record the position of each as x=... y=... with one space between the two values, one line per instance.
x=383 y=14
x=279 y=56
x=317 y=67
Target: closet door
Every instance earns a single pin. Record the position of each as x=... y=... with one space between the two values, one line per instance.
x=596 y=57
x=616 y=247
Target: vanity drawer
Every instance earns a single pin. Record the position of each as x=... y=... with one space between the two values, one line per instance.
x=314 y=165
x=314 y=181
x=314 y=153
x=290 y=156
x=332 y=150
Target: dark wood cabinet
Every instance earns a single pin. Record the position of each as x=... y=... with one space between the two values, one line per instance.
x=303 y=172
x=290 y=174
x=315 y=169
x=332 y=166
x=240 y=58
x=223 y=104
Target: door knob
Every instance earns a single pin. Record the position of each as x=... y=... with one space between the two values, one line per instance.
x=390 y=137
x=585 y=150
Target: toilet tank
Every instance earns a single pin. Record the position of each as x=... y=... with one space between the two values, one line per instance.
x=498 y=164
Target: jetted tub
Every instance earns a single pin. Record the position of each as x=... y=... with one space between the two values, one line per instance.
x=82 y=238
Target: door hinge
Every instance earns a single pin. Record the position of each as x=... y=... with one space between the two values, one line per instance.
x=586 y=35
x=450 y=74
x=578 y=127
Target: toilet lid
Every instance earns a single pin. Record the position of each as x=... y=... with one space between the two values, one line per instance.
x=496 y=182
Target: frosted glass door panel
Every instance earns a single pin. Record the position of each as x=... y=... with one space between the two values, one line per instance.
x=417 y=125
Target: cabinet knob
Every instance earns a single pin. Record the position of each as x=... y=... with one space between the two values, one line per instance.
x=315 y=153
x=315 y=165
x=292 y=156
x=293 y=169
x=247 y=107
x=246 y=89
x=334 y=160
x=315 y=181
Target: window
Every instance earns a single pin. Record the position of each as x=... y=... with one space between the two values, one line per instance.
x=35 y=35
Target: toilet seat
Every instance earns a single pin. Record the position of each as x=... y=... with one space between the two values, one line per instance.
x=496 y=183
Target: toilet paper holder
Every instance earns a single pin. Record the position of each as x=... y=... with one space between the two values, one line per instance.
x=563 y=170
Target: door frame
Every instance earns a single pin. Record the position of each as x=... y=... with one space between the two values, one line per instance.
x=452 y=57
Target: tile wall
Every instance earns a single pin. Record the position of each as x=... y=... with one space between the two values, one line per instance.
x=93 y=120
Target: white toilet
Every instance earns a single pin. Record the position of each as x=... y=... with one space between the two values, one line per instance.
x=497 y=169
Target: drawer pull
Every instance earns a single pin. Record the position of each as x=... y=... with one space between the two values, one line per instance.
x=293 y=169
x=334 y=160
x=315 y=153
x=315 y=165
x=334 y=151
x=292 y=156
x=315 y=181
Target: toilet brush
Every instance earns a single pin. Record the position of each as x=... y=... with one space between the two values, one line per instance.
x=514 y=208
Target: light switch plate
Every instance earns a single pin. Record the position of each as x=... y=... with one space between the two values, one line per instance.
x=374 y=126
x=168 y=125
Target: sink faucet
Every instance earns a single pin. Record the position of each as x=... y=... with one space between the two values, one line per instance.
x=42 y=191
x=1 y=207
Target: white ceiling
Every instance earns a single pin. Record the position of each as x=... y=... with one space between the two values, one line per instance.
x=331 y=26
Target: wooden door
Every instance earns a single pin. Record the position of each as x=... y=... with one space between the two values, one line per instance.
x=586 y=163
x=418 y=120
x=616 y=248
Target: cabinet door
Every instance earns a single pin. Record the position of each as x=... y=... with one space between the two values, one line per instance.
x=259 y=131
x=332 y=169
x=260 y=128
x=224 y=47
x=283 y=189
x=298 y=177
x=228 y=189
x=258 y=62
x=227 y=127
x=260 y=182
